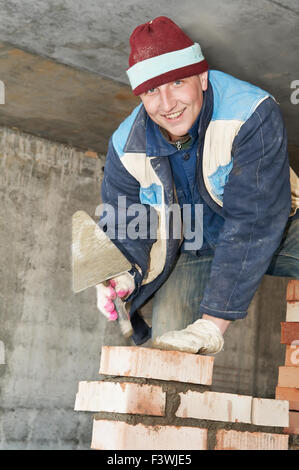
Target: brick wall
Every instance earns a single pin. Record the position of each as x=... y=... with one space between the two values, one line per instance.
x=149 y=399
x=288 y=374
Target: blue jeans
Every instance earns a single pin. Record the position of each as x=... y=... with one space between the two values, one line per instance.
x=176 y=303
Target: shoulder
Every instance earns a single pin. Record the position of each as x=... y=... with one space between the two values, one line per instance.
x=234 y=99
x=130 y=131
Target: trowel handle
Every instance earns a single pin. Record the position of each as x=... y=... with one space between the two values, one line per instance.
x=123 y=318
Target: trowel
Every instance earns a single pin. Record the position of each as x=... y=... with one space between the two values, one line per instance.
x=95 y=260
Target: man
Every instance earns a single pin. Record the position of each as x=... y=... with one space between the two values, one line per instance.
x=199 y=137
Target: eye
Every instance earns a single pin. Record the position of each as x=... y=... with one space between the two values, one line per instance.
x=151 y=91
x=177 y=82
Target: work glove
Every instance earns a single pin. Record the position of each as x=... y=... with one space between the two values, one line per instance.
x=202 y=336
x=121 y=286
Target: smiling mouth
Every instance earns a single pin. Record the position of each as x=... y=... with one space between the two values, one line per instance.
x=173 y=116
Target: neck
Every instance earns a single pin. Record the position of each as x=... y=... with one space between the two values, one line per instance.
x=176 y=138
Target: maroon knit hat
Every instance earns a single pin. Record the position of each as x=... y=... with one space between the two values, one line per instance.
x=161 y=53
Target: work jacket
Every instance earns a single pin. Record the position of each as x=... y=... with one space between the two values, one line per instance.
x=243 y=174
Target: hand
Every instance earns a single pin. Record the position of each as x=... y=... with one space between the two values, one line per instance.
x=202 y=336
x=121 y=286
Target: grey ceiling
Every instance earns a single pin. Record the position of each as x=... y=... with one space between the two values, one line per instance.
x=254 y=40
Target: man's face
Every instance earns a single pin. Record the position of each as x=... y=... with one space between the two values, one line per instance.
x=176 y=105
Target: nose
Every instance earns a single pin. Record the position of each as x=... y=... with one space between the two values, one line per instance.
x=168 y=101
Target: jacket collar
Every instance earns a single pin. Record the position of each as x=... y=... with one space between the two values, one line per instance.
x=156 y=143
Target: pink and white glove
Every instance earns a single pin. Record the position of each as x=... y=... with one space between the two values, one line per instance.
x=121 y=286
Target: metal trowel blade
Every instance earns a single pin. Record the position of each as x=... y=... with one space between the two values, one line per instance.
x=95 y=258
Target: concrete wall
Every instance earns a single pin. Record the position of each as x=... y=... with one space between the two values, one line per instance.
x=50 y=339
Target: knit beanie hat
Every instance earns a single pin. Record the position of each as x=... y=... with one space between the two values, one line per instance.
x=161 y=53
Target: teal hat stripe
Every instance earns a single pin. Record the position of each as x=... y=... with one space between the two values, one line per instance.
x=155 y=66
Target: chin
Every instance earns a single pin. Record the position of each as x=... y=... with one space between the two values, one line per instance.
x=178 y=132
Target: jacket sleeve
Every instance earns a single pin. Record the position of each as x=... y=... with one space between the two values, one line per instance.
x=119 y=191
x=256 y=206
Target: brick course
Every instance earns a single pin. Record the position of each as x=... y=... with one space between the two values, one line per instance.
x=121 y=398
x=290 y=394
x=293 y=290
x=292 y=356
x=215 y=406
x=267 y=412
x=288 y=377
x=289 y=332
x=293 y=427
x=292 y=311
x=156 y=364
x=237 y=440
x=118 y=435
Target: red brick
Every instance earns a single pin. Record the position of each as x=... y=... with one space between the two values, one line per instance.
x=135 y=361
x=292 y=311
x=91 y=154
x=118 y=435
x=120 y=398
x=288 y=377
x=294 y=423
x=292 y=355
x=215 y=406
x=237 y=440
x=290 y=394
x=289 y=332
x=293 y=290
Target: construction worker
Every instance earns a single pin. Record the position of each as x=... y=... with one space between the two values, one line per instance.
x=199 y=138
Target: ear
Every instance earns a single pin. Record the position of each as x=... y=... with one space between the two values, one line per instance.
x=204 y=80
